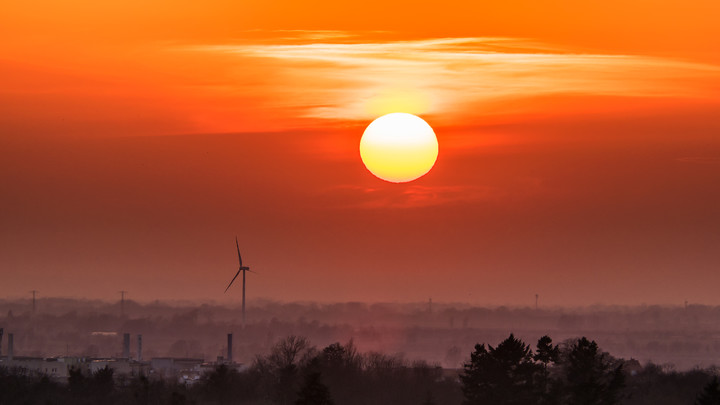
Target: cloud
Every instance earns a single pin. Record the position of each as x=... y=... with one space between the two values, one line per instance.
x=417 y=196
x=450 y=77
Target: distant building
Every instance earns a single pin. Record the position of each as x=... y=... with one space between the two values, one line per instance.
x=57 y=368
x=119 y=366
x=184 y=370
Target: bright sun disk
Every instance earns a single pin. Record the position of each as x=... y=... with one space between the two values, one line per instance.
x=399 y=147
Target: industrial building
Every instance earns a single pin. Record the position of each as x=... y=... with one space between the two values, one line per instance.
x=185 y=370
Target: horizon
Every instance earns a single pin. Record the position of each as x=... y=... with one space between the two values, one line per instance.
x=264 y=301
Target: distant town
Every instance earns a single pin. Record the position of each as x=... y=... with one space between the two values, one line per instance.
x=427 y=346
x=183 y=369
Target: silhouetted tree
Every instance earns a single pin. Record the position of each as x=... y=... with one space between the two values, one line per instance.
x=280 y=369
x=220 y=384
x=590 y=377
x=140 y=390
x=14 y=386
x=546 y=355
x=314 y=392
x=289 y=352
x=710 y=394
x=102 y=383
x=501 y=375
x=334 y=354
x=339 y=357
x=76 y=381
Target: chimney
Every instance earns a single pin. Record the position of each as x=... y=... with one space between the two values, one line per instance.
x=139 y=353
x=229 y=353
x=126 y=346
x=10 y=347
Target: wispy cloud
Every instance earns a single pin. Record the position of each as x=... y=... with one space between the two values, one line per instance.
x=415 y=196
x=359 y=80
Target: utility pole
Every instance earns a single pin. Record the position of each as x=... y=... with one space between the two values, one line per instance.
x=243 y=304
x=122 y=303
x=33 y=293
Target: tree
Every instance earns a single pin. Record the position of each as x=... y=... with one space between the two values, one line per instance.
x=501 y=375
x=314 y=392
x=220 y=384
x=76 y=381
x=590 y=376
x=545 y=355
x=710 y=394
x=280 y=369
x=339 y=358
x=102 y=382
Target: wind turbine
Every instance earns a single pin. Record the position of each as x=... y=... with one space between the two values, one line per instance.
x=243 y=269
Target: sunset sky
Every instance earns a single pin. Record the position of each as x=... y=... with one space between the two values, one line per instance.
x=579 y=150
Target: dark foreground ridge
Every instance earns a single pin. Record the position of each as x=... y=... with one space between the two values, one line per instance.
x=296 y=372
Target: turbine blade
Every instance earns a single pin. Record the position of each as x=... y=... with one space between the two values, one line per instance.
x=251 y=271
x=231 y=281
x=238 y=249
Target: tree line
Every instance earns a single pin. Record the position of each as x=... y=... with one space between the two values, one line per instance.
x=294 y=372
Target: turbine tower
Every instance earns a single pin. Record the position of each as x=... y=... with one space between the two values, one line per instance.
x=243 y=269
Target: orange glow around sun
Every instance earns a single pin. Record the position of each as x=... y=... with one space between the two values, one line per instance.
x=399 y=147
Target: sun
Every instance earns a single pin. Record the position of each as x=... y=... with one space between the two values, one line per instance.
x=399 y=147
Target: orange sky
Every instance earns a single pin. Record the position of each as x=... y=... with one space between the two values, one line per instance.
x=579 y=150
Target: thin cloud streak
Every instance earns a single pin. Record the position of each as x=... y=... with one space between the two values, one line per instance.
x=453 y=75
x=417 y=196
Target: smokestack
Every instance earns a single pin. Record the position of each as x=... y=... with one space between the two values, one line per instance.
x=139 y=354
x=126 y=346
x=229 y=353
x=10 y=347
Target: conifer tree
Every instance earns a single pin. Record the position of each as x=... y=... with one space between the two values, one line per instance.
x=503 y=375
x=710 y=394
